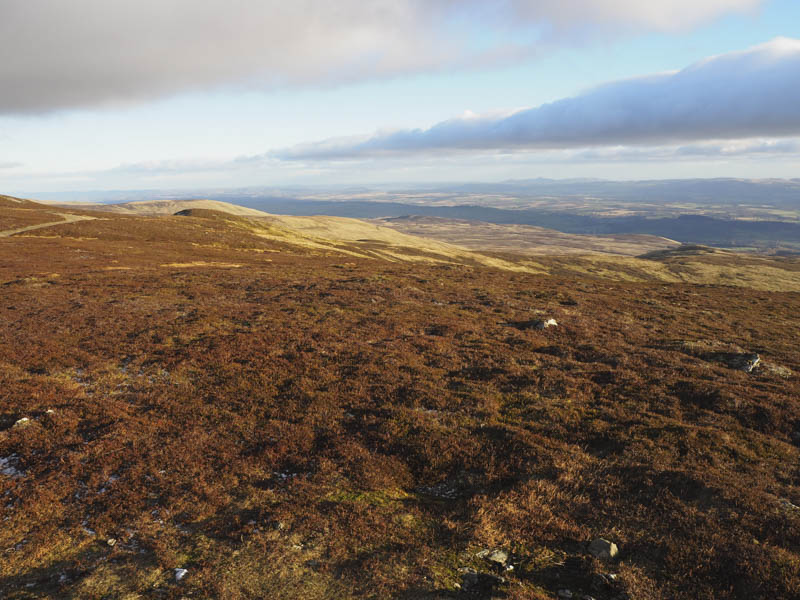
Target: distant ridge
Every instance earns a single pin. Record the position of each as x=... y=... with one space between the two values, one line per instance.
x=170 y=207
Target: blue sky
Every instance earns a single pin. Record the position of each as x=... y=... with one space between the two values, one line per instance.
x=231 y=108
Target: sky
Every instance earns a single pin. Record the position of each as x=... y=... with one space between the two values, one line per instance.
x=180 y=94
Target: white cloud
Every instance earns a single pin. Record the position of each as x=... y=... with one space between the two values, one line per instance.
x=668 y=15
x=84 y=53
x=747 y=150
x=162 y=167
x=753 y=93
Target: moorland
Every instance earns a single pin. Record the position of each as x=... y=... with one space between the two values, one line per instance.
x=208 y=404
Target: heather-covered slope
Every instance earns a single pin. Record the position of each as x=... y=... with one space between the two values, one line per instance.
x=286 y=421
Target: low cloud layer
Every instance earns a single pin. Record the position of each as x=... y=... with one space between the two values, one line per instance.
x=85 y=53
x=753 y=93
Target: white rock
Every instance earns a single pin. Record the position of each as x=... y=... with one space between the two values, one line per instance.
x=22 y=422
x=180 y=574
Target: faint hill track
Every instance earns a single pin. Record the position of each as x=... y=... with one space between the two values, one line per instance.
x=68 y=218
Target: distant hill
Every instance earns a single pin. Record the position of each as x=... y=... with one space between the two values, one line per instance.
x=725 y=212
x=169 y=207
x=685 y=228
x=714 y=191
x=524 y=239
x=445 y=236
x=12 y=202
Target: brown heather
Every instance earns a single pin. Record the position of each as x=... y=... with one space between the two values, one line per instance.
x=280 y=420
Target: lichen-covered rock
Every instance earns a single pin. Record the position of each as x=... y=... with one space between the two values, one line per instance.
x=498 y=557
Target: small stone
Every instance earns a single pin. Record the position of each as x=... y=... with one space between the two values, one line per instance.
x=498 y=557
x=566 y=594
x=603 y=549
x=111 y=542
x=531 y=324
x=587 y=597
x=547 y=323
x=180 y=574
x=22 y=422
